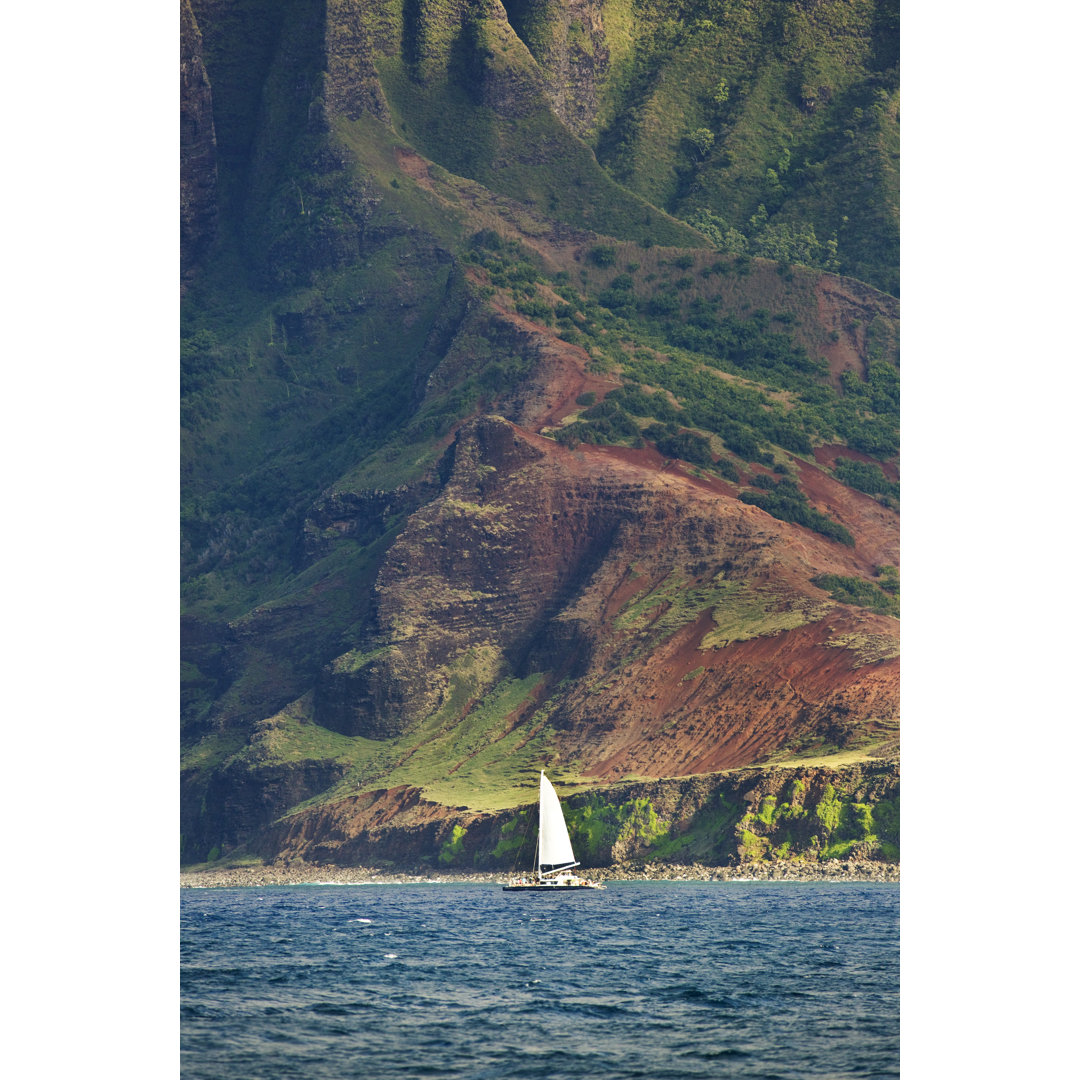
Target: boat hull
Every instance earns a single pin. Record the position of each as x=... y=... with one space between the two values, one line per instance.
x=550 y=888
x=579 y=887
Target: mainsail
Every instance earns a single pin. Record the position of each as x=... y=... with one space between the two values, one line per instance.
x=555 y=852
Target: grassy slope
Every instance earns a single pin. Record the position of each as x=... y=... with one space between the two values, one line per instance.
x=530 y=157
x=810 y=93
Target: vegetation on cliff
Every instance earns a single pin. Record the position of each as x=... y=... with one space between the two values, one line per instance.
x=622 y=230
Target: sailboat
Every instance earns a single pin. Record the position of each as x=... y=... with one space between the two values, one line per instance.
x=555 y=860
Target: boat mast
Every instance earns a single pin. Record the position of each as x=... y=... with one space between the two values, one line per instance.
x=539 y=833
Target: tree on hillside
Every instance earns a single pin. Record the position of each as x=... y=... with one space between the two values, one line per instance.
x=703 y=140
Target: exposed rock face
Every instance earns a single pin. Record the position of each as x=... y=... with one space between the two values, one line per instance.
x=847 y=308
x=285 y=73
x=470 y=572
x=398 y=827
x=475 y=36
x=361 y=516
x=684 y=802
x=365 y=826
x=567 y=39
x=198 y=148
x=428 y=29
x=693 y=612
x=239 y=800
x=352 y=83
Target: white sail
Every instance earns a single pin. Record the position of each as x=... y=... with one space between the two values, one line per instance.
x=555 y=851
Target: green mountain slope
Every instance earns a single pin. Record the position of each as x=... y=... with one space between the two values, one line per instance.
x=617 y=231
x=773 y=125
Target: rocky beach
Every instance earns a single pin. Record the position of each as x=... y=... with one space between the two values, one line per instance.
x=306 y=874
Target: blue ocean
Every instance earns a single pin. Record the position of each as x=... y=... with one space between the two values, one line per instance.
x=645 y=979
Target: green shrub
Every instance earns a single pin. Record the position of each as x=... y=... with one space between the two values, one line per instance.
x=886 y=815
x=863 y=819
x=754 y=846
x=866 y=477
x=535 y=309
x=662 y=305
x=611 y=420
x=839 y=849
x=727 y=470
x=858 y=592
x=454 y=847
x=621 y=301
x=596 y=826
x=512 y=835
x=829 y=809
x=787 y=503
x=602 y=255
x=635 y=400
x=888 y=579
x=486 y=240
x=687 y=447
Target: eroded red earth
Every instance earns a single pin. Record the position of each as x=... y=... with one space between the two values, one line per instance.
x=601 y=526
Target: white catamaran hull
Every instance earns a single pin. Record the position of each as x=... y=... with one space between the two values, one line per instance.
x=555 y=885
x=552 y=888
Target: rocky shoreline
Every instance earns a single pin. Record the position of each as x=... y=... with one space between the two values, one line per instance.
x=305 y=874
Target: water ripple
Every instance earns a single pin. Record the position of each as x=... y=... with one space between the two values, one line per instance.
x=667 y=981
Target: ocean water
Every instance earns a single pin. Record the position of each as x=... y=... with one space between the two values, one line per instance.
x=645 y=979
